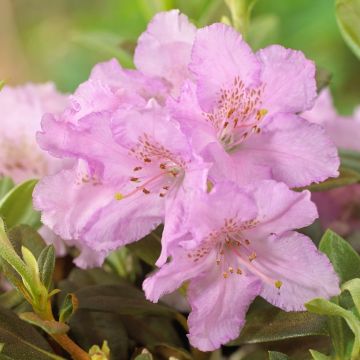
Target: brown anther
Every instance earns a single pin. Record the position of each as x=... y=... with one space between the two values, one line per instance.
x=134 y=179
x=162 y=166
x=247 y=242
x=231 y=270
x=161 y=195
x=147 y=160
x=226 y=123
x=230 y=112
x=252 y=256
x=257 y=130
x=225 y=274
x=137 y=168
x=145 y=191
x=239 y=271
x=166 y=187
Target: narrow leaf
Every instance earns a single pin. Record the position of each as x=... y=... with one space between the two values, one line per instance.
x=46 y=263
x=68 y=308
x=274 y=355
x=6 y=184
x=49 y=326
x=353 y=286
x=319 y=356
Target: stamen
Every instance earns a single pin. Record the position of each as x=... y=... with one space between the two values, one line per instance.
x=137 y=168
x=145 y=191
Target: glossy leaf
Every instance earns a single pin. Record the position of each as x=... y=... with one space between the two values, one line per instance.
x=272 y=324
x=348 y=17
x=16 y=206
x=345 y=259
x=22 y=341
x=353 y=286
x=6 y=184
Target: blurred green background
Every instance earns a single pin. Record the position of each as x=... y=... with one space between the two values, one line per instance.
x=61 y=40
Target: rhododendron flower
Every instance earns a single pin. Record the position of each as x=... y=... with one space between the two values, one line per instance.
x=21 y=158
x=22 y=108
x=239 y=243
x=240 y=111
x=132 y=165
x=343 y=130
x=339 y=208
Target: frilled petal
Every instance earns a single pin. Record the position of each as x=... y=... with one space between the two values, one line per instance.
x=305 y=273
x=297 y=152
x=280 y=209
x=121 y=222
x=186 y=110
x=289 y=80
x=226 y=201
x=90 y=139
x=52 y=239
x=173 y=274
x=109 y=87
x=219 y=56
x=128 y=125
x=69 y=199
x=164 y=49
x=219 y=307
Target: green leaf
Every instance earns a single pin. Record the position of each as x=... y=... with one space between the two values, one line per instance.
x=263 y=30
x=6 y=184
x=348 y=18
x=147 y=249
x=68 y=308
x=323 y=78
x=325 y=307
x=272 y=324
x=319 y=356
x=109 y=44
x=350 y=159
x=49 y=326
x=274 y=355
x=121 y=299
x=46 y=262
x=345 y=259
x=145 y=355
x=16 y=206
x=22 y=341
x=353 y=286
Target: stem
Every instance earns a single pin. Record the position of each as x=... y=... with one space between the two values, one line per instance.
x=76 y=352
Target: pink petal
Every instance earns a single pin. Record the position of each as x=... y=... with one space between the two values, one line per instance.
x=219 y=307
x=164 y=49
x=297 y=152
x=280 y=209
x=219 y=56
x=305 y=272
x=289 y=80
x=68 y=202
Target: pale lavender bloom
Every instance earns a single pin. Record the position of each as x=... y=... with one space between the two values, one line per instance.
x=240 y=111
x=21 y=158
x=237 y=243
x=132 y=165
x=338 y=208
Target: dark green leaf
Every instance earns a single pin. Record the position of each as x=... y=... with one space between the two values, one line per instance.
x=6 y=184
x=274 y=355
x=49 y=326
x=22 y=341
x=345 y=259
x=319 y=356
x=16 y=206
x=46 y=263
x=68 y=308
x=272 y=324
x=122 y=299
x=147 y=249
x=348 y=17
x=165 y=351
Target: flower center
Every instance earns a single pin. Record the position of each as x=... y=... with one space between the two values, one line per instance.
x=234 y=253
x=237 y=114
x=156 y=170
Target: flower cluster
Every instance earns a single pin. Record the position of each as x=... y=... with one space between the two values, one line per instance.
x=205 y=138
